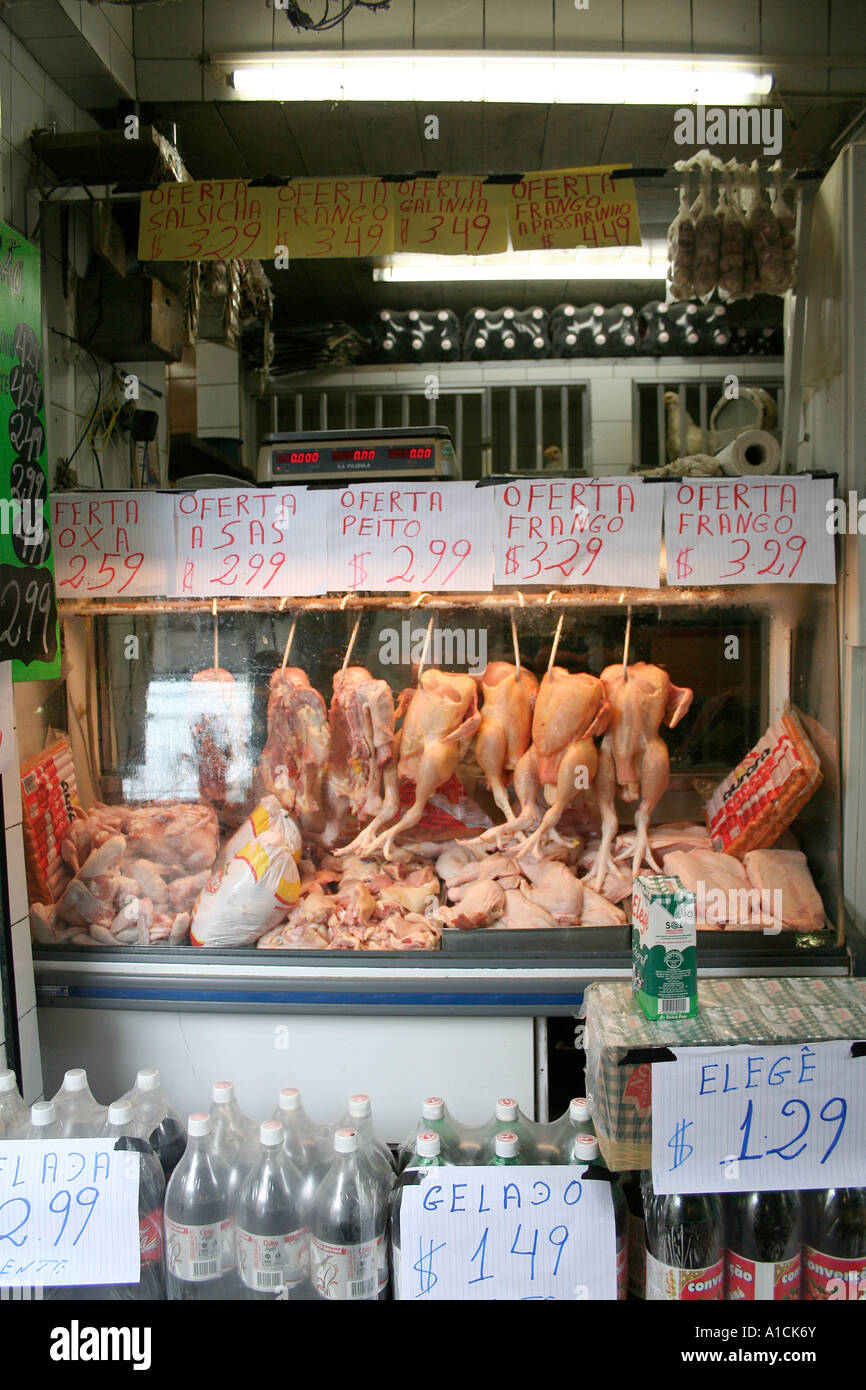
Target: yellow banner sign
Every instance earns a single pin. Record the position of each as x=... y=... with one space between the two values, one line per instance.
x=558 y=209
x=351 y=217
x=217 y=219
x=453 y=215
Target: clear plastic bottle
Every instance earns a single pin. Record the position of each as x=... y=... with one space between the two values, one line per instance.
x=509 y=1119
x=44 y=1122
x=78 y=1110
x=506 y=1150
x=346 y=1227
x=159 y=1123
x=360 y=1118
x=435 y=1117
x=305 y=1144
x=120 y=1121
x=235 y=1140
x=585 y=1153
x=273 y=1241
x=14 y=1115
x=427 y=1154
x=199 y=1225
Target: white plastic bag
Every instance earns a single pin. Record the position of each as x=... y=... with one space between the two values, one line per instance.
x=254 y=892
x=268 y=815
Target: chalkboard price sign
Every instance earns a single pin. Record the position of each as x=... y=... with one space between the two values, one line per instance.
x=28 y=609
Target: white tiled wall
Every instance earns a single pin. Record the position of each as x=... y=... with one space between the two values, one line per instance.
x=22 y=960
x=218 y=391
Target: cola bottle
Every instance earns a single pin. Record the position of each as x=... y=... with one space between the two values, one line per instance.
x=684 y=1249
x=151 y=1234
x=80 y=1114
x=158 y=1122
x=834 y=1244
x=630 y=1183
x=762 y=1246
x=199 y=1224
x=14 y=1115
x=272 y=1235
x=435 y=1119
x=346 y=1226
x=621 y=330
x=44 y=1121
x=586 y=1154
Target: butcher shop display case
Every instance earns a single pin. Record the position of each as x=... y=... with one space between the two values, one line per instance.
x=245 y=831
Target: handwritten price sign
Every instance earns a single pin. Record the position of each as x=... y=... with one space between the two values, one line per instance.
x=348 y=217
x=395 y=537
x=572 y=207
x=112 y=545
x=216 y=219
x=755 y=1118
x=603 y=531
x=68 y=1213
x=448 y=216
x=505 y=1233
x=749 y=531
x=243 y=542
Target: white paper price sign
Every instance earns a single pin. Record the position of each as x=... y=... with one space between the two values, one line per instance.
x=604 y=531
x=112 y=545
x=763 y=530
x=506 y=1233
x=239 y=542
x=68 y=1213
x=397 y=537
x=755 y=1118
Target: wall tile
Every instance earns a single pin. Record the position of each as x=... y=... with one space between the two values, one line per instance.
x=233 y=28
x=449 y=24
x=6 y=169
x=18 y=904
x=168 y=79
x=611 y=446
x=28 y=112
x=5 y=40
x=514 y=24
x=730 y=28
x=122 y=64
x=21 y=171
x=59 y=107
x=120 y=18
x=381 y=28
x=12 y=790
x=217 y=364
x=31 y=1059
x=22 y=964
x=27 y=66
x=6 y=99
x=610 y=400
x=97 y=31
x=168 y=31
x=597 y=28
x=653 y=27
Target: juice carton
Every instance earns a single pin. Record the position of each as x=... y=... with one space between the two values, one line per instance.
x=664 y=947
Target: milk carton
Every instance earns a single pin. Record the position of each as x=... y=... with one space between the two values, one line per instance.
x=664 y=947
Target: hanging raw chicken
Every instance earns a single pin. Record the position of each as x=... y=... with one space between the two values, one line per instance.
x=361 y=776
x=634 y=758
x=505 y=731
x=215 y=734
x=296 y=752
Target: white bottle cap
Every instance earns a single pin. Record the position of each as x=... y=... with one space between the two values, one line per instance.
x=506 y=1108
x=147 y=1079
x=538 y=342
x=346 y=1141
x=433 y=1108
x=120 y=1112
x=507 y=1145
x=585 y=1147
x=571 y=339
x=509 y=342
x=578 y=1110
x=43 y=1113
x=360 y=1107
x=414 y=316
x=442 y=315
x=601 y=338
x=627 y=309
x=199 y=1124
x=479 y=343
x=508 y=313
x=428 y=1145
x=7 y=1081
x=479 y=313
x=222 y=1091
x=446 y=344
x=271 y=1133
x=75 y=1080
x=290 y=1098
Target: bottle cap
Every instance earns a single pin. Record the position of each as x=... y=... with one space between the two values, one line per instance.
x=290 y=1098
x=7 y=1081
x=271 y=1133
x=414 y=316
x=199 y=1125
x=479 y=313
x=446 y=344
x=509 y=342
x=346 y=1141
x=601 y=338
x=442 y=315
x=508 y=313
x=586 y=1147
x=479 y=343
x=428 y=1145
x=43 y=1113
x=75 y=1080
x=147 y=1079
x=578 y=1110
x=120 y=1112
x=360 y=1107
x=506 y=1108
x=571 y=339
x=507 y=1145
x=433 y=1108
x=222 y=1091
x=538 y=342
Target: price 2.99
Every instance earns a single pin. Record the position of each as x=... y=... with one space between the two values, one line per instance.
x=15 y=1215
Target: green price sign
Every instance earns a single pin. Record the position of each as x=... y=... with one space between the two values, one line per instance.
x=28 y=608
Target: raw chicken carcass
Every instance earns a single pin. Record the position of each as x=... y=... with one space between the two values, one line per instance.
x=633 y=757
x=442 y=716
x=174 y=833
x=214 y=732
x=555 y=888
x=786 y=872
x=506 y=726
x=562 y=758
x=598 y=911
x=720 y=883
x=362 y=774
x=296 y=752
x=481 y=904
x=522 y=914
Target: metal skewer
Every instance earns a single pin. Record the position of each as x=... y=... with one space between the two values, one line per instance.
x=289 y=640
x=625 y=646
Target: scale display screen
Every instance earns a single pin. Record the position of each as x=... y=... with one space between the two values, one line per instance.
x=381 y=453
x=286 y=460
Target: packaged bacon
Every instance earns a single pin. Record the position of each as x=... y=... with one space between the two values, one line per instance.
x=766 y=791
x=49 y=802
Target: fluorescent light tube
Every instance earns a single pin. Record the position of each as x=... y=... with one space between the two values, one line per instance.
x=568 y=78
x=647 y=262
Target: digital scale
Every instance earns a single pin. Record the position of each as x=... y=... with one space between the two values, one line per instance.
x=319 y=456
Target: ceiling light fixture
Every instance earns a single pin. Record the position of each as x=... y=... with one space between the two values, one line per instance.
x=567 y=78
x=646 y=262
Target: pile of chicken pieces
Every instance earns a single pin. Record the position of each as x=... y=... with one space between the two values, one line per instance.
x=136 y=875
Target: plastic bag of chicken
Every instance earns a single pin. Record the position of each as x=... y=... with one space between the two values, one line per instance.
x=268 y=815
x=252 y=894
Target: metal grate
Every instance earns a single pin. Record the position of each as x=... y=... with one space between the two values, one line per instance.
x=696 y=400
x=495 y=429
